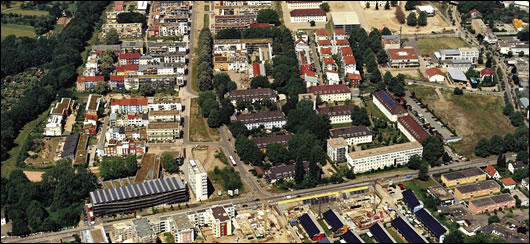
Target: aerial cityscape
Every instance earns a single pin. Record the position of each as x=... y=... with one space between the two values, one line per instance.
x=265 y=122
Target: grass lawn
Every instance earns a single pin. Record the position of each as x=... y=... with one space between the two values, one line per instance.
x=9 y=164
x=17 y=30
x=472 y=116
x=333 y=126
x=206 y=7
x=278 y=8
x=428 y=46
x=419 y=187
x=199 y=130
x=374 y=111
x=194 y=74
x=324 y=227
x=366 y=239
x=395 y=235
x=441 y=7
x=25 y=11
x=206 y=20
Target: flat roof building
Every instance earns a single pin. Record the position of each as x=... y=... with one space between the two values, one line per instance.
x=442 y=194
x=337 y=149
x=463 y=177
x=478 y=189
x=198 y=179
x=379 y=158
x=345 y=20
x=489 y=204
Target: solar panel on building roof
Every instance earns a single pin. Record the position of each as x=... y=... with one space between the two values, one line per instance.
x=119 y=192
x=388 y=99
x=308 y=225
x=332 y=219
x=108 y=197
x=349 y=237
x=145 y=186
x=153 y=187
x=164 y=185
x=139 y=193
x=125 y=192
x=407 y=231
x=96 y=197
x=101 y=196
x=113 y=194
x=131 y=191
x=175 y=182
x=411 y=199
x=159 y=186
x=434 y=226
x=380 y=234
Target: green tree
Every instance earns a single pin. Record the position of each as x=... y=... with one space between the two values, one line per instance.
x=208 y=107
x=493 y=219
x=35 y=215
x=268 y=16
x=446 y=157
x=228 y=34
x=325 y=7
x=483 y=148
x=382 y=57
x=400 y=15
x=415 y=161
x=248 y=151
x=375 y=76
x=432 y=149
x=312 y=23
x=102 y=88
x=422 y=19
x=131 y=164
x=522 y=156
x=424 y=172
x=509 y=142
x=215 y=119
x=458 y=91
x=299 y=172
x=359 y=116
x=454 y=237
x=111 y=37
x=410 y=5
x=411 y=19
x=277 y=154
x=238 y=128
x=387 y=78
x=501 y=161
x=146 y=90
x=386 y=31
x=169 y=163
x=387 y=5
x=259 y=82
x=393 y=3
x=496 y=145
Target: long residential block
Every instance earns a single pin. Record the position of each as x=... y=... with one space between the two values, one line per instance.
x=379 y=158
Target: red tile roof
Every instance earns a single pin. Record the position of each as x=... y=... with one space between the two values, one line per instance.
x=342 y=42
x=346 y=51
x=402 y=53
x=129 y=55
x=508 y=181
x=394 y=108
x=129 y=102
x=329 y=61
x=90 y=78
x=413 y=127
x=329 y=89
x=490 y=170
x=325 y=50
x=434 y=71
x=474 y=11
x=311 y=73
x=308 y=12
x=304 y=68
x=259 y=25
x=353 y=76
x=300 y=40
x=322 y=32
x=324 y=42
x=256 y=69
x=126 y=67
x=117 y=77
x=487 y=71
x=349 y=60
x=117 y=8
x=340 y=32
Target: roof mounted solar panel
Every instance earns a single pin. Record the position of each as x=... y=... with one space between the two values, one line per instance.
x=177 y=185
x=388 y=99
x=107 y=195
x=119 y=193
x=96 y=197
x=137 y=190
x=164 y=185
x=159 y=186
x=101 y=196
x=379 y=233
x=153 y=187
x=114 y=194
x=407 y=231
x=125 y=193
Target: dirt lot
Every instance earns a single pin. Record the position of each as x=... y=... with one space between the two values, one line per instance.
x=199 y=130
x=387 y=18
x=409 y=73
x=472 y=116
x=63 y=21
x=34 y=176
x=206 y=154
x=48 y=152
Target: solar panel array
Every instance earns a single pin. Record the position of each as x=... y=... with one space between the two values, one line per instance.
x=309 y=225
x=432 y=224
x=406 y=230
x=411 y=199
x=349 y=237
x=332 y=219
x=388 y=100
x=380 y=234
x=137 y=190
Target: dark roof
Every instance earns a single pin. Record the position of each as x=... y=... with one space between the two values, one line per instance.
x=518 y=164
x=463 y=174
x=309 y=225
x=261 y=117
x=407 y=231
x=329 y=89
x=411 y=199
x=262 y=142
x=389 y=102
x=432 y=224
x=332 y=219
x=479 y=186
x=336 y=110
x=283 y=171
x=308 y=12
x=70 y=145
x=380 y=234
x=258 y=93
x=413 y=127
x=351 y=237
x=350 y=132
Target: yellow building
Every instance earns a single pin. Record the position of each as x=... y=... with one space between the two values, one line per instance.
x=463 y=177
x=478 y=189
x=517 y=23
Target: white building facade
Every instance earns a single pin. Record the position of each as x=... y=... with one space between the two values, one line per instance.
x=198 y=179
x=379 y=158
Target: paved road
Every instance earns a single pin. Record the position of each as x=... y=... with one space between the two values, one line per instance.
x=314 y=52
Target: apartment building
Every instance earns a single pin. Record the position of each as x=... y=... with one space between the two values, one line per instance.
x=144 y=233
x=308 y=15
x=390 y=42
x=58 y=115
x=163 y=131
x=286 y=171
x=337 y=114
x=337 y=149
x=512 y=44
x=331 y=93
x=182 y=228
x=321 y=34
x=464 y=53
x=129 y=58
x=123 y=148
x=252 y=95
x=85 y=83
x=164 y=103
x=303 y=4
x=349 y=65
x=262 y=142
x=125 y=30
x=340 y=34
x=483 y=188
x=463 y=177
x=133 y=105
x=268 y=120
x=333 y=77
x=491 y=203
x=220 y=222
x=403 y=58
x=164 y=116
x=131 y=119
x=354 y=135
x=198 y=180
x=411 y=128
x=340 y=43
x=388 y=105
x=379 y=158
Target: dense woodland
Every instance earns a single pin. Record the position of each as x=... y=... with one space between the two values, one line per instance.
x=61 y=55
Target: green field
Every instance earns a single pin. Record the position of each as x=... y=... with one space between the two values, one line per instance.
x=207 y=20
x=17 y=30
x=25 y=11
x=395 y=235
x=472 y=116
x=333 y=126
x=374 y=111
x=9 y=164
x=428 y=46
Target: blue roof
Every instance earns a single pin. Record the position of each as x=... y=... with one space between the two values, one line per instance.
x=332 y=219
x=473 y=80
x=432 y=224
x=388 y=100
x=350 y=237
x=380 y=234
x=407 y=231
x=309 y=225
x=324 y=240
x=411 y=199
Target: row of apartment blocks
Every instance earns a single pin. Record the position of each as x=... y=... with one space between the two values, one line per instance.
x=238 y=15
x=232 y=54
x=58 y=115
x=168 y=18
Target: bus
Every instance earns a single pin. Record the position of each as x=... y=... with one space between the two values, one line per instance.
x=233 y=161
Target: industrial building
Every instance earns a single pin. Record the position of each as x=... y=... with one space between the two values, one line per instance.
x=489 y=204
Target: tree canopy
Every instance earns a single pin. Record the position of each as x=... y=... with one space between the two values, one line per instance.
x=268 y=16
